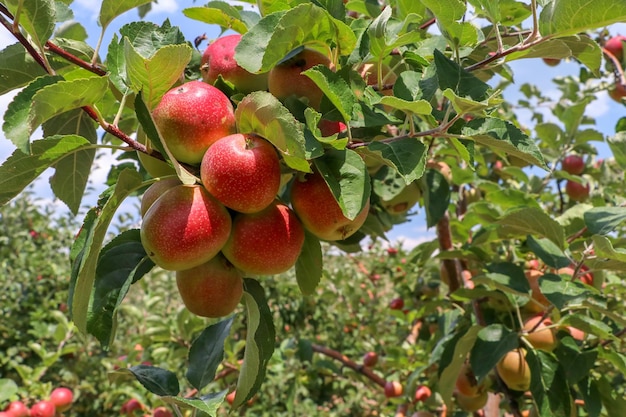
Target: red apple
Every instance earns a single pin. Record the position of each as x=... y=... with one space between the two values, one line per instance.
x=265 y=243
x=573 y=164
x=62 y=398
x=242 y=172
x=191 y=118
x=161 y=412
x=184 y=228
x=577 y=191
x=615 y=46
x=320 y=213
x=155 y=191
x=396 y=304
x=42 y=408
x=393 y=389
x=422 y=393
x=286 y=80
x=370 y=359
x=552 y=62
x=330 y=127
x=212 y=289
x=130 y=406
x=219 y=59
x=618 y=92
x=17 y=409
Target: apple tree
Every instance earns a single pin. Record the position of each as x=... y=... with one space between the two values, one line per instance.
x=317 y=127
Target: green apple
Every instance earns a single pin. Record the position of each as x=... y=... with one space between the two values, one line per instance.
x=404 y=200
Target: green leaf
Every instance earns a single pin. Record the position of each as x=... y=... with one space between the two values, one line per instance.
x=604 y=220
x=209 y=404
x=18 y=68
x=612 y=399
x=263 y=114
x=335 y=88
x=492 y=343
x=406 y=156
x=501 y=135
x=84 y=268
x=412 y=107
x=37 y=17
x=218 y=13
x=617 y=144
x=464 y=105
x=154 y=76
x=157 y=380
x=259 y=342
x=21 y=169
x=453 y=76
x=110 y=9
x=562 y=292
x=8 y=388
x=548 y=384
x=346 y=176
x=604 y=249
x=206 y=353
x=309 y=266
x=276 y=35
x=548 y=252
x=577 y=364
x=505 y=276
x=436 y=196
x=591 y=396
x=121 y=262
x=589 y=325
x=569 y=17
x=533 y=221
x=449 y=14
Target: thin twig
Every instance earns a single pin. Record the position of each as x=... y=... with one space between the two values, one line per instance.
x=363 y=370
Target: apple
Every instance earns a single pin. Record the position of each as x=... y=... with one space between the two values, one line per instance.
x=615 y=46
x=154 y=167
x=213 y=289
x=6 y=414
x=466 y=383
x=573 y=164
x=404 y=200
x=618 y=92
x=265 y=243
x=42 y=408
x=570 y=270
x=472 y=403
x=242 y=172
x=155 y=191
x=538 y=302
x=422 y=414
x=543 y=336
x=191 y=117
x=330 y=127
x=393 y=389
x=396 y=304
x=443 y=168
x=370 y=359
x=514 y=370
x=62 y=398
x=422 y=393
x=320 y=212
x=219 y=59
x=17 y=409
x=369 y=73
x=184 y=228
x=552 y=62
x=130 y=406
x=286 y=78
x=577 y=191
x=161 y=412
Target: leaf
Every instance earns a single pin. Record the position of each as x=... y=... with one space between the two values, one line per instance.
x=8 y=388
x=121 y=262
x=346 y=176
x=548 y=252
x=577 y=364
x=261 y=113
x=37 y=17
x=591 y=396
x=617 y=144
x=406 y=156
x=412 y=107
x=548 y=384
x=604 y=220
x=335 y=88
x=453 y=76
x=436 y=196
x=110 y=9
x=157 y=380
x=259 y=342
x=309 y=266
x=464 y=105
x=492 y=343
x=21 y=169
x=613 y=401
x=226 y=16
x=589 y=325
x=604 y=249
x=562 y=292
x=505 y=276
x=209 y=404
x=84 y=267
x=502 y=135
x=18 y=68
x=533 y=221
x=207 y=352
x=569 y=17
x=276 y=35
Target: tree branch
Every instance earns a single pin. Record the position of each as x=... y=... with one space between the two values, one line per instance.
x=363 y=370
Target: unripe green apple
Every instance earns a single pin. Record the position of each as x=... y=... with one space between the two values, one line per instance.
x=514 y=370
x=286 y=80
x=404 y=201
x=242 y=171
x=191 y=118
x=320 y=213
x=154 y=167
x=265 y=243
x=219 y=59
x=472 y=403
x=184 y=228
x=155 y=191
x=212 y=289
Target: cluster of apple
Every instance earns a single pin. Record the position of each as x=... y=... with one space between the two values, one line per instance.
x=575 y=165
x=59 y=401
x=133 y=407
x=232 y=223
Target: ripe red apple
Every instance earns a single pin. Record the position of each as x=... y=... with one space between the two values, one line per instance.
x=265 y=243
x=422 y=393
x=230 y=397
x=155 y=191
x=62 y=398
x=286 y=80
x=514 y=370
x=320 y=213
x=161 y=412
x=577 y=191
x=184 y=228
x=219 y=59
x=393 y=389
x=404 y=200
x=542 y=337
x=17 y=409
x=396 y=304
x=42 y=408
x=191 y=118
x=330 y=127
x=552 y=62
x=242 y=172
x=212 y=289
x=130 y=406
x=370 y=359
x=615 y=46
x=618 y=92
x=6 y=414
x=573 y=164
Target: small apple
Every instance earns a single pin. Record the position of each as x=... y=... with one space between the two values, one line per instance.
x=184 y=228
x=466 y=382
x=42 y=408
x=393 y=389
x=265 y=243
x=618 y=92
x=542 y=337
x=329 y=223
x=370 y=359
x=552 y=62
x=538 y=302
x=369 y=72
x=472 y=403
x=154 y=167
x=62 y=398
x=130 y=406
x=230 y=397
x=422 y=393
x=286 y=78
x=155 y=191
x=213 y=289
x=17 y=409
x=330 y=127
x=573 y=164
x=514 y=370
x=404 y=200
x=161 y=412
x=242 y=172
x=577 y=191
x=444 y=169
x=396 y=304
x=219 y=59
x=615 y=46
x=191 y=118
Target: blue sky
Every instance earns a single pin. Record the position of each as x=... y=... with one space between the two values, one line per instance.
x=604 y=110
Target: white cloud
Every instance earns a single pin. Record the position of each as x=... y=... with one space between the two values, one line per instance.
x=600 y=106
x=164 y=6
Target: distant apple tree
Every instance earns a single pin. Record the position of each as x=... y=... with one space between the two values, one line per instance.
x=375 y=110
